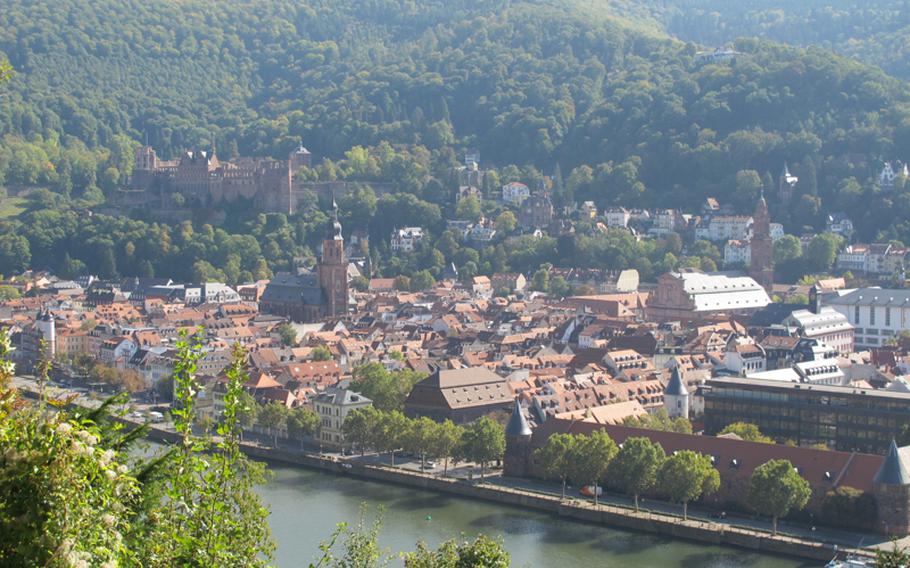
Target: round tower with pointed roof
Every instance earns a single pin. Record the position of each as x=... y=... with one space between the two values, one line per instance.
x=676 y=396
x=517 y=459
x=46 y=326
x=891 y=487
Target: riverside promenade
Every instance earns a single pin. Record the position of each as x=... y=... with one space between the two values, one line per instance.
x=648 y=521
x=606 y=514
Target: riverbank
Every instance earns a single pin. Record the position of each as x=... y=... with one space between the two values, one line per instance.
x=610 y=515
x=570 y=509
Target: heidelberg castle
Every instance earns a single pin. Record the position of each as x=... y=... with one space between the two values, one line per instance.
x=204 y=180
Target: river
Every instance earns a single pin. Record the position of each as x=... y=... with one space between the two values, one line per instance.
x=306 y=505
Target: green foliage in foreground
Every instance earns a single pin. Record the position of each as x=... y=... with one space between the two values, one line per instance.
x=72 y=492
x=73 y=495
x=897 y=557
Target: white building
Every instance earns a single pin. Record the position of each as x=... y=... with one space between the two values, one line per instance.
x=828 y=326
x=665 y=221
x=890 y=173
x=820 y=372
x=216 y=293
x=737 y=252
x=515 y=193
x=725 y=227
x=876 y=314
x=332 y=407
x=839 y=224
x=406 y=239
x=776 y=230
x=877 y=259
x=853 y=258
x=617 y=217
x=743 y=356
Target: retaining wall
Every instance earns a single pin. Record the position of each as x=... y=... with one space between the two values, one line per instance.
x=619 y=517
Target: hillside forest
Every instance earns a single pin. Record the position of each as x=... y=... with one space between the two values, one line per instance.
x=608 y=102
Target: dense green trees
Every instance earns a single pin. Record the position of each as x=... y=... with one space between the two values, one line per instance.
x=776 y=488
x=848 y=506
x=621 y=112
x=870 y=30
x=685 y=476
x=746 y=431
x=636 y=466
x=590 y=457
x=387 y=389
x=483 y=441
x=554 y=457
x=660 y=420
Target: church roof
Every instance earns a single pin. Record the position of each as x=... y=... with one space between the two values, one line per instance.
x=290 y=288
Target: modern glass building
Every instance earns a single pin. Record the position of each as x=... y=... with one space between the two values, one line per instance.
x=842 y=418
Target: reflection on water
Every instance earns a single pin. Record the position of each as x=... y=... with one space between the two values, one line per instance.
x=306 y=505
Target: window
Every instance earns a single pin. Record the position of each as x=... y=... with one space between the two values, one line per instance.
x=856 y=314
x=887 y=317
x=871 y=315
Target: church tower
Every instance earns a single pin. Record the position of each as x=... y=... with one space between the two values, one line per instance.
x=786 y=185
x=762 y=248
x=333 y=268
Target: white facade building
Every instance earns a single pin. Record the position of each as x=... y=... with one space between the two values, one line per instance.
x=617 y=217
x=737 y=252
x=742 y=356
x=725 y=227
x=890 y=173
x=515 y=193
x=332 y=407
x=876 y=314
x=828 y=326
x=776 y=231
x=406 y=239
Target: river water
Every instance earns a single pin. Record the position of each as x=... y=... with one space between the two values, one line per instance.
x=306 y=505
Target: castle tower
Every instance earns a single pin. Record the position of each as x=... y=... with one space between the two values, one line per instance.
x=762 y=266
x=333 y=268
x=517 y=459
x=891 y=487
x=299 y=158
x=676 y=396
x=146 y=159
x=46 y=326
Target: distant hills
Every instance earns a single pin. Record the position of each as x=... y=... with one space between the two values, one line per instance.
x=579 y=84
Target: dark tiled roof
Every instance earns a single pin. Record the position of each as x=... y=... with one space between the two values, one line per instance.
x=676 y=387
x=517 y=425
x=288 y=288
x=893 y=471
